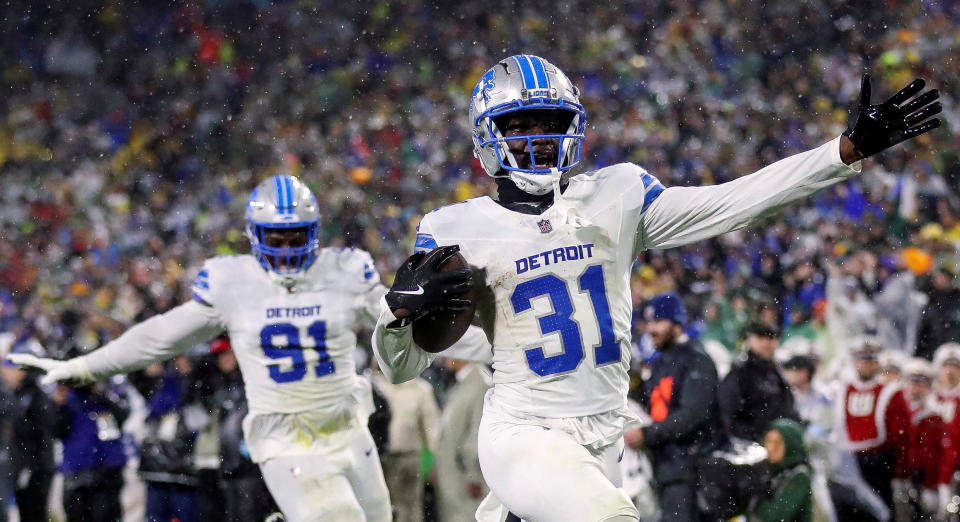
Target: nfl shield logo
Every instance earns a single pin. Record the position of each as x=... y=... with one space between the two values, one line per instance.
x=545 y=226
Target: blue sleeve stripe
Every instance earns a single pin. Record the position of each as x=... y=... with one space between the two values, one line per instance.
x=653 y=190
x=203 y=273
x=425 y=242
x=201 y=284
x=197 y=298
x=538 y=68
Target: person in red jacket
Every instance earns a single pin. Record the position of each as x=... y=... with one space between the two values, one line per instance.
x=874 y=422
x=946 y=360
x=931 y=450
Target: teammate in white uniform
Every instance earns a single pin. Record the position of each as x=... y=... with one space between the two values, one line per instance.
x=289 y=310
x=558 y=253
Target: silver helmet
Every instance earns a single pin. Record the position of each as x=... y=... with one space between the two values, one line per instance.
x=283 y=204
x=519 y=83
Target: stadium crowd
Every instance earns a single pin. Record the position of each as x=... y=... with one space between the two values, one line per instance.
x=130 y=135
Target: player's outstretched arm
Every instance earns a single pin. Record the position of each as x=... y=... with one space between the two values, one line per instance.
x=682 y=215
x=161 y=337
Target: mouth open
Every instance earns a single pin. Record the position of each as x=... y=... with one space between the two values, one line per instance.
x=545 y=162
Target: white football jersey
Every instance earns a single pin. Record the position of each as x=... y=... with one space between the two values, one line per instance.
x=295 y=349
x=560 y=308
x=561 y=289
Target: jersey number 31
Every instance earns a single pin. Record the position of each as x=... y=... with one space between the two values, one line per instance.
x=591 y=282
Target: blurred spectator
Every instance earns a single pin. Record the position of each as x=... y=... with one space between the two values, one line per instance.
x=414 y=419
x=459 y=481
x=208 y=381
x=167 y=451
x=680 y=396
x=754 y=394
x=946 y=399
x=88 y=423
x=245 y=493
x=850 y=313
x=940 y=322
x=379 y=420
x=891 y=366
x=875 y=425
x=933 y=457
x=31 y=415
x=899 y=306
x=789 y=498
x=946 y=361
x=813 y=405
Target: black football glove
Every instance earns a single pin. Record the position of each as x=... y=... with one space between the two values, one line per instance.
x=421 y=288
x=879 y=127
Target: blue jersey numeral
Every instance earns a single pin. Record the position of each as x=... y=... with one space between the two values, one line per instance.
x=558 y=321
x=591 y=282
x=294 y=350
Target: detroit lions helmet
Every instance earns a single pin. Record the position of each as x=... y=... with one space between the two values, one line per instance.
x=283 y=204
x=519 y=83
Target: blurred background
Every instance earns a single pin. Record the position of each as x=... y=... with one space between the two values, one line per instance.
x=131 y=134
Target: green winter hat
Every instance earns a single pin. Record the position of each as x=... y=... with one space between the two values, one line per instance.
x=792 y=433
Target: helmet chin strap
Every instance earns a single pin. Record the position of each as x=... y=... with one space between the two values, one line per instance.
x=555 y=177
x=537 y=184
x=288 y=281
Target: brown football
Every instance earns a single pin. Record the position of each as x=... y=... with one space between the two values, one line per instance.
x=438 y=331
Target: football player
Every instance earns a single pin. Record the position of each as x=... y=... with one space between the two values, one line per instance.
x=289 y=309
x=558 y=252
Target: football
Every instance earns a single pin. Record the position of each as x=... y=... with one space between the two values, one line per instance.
x=438 y=331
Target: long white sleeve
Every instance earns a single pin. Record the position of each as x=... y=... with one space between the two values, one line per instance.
x=158 y=338
x=369 y=305
x=401 y=360
x=682 y=215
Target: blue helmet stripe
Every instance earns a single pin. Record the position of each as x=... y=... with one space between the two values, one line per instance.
x=542 y=81
x=534 y=79
x=288 y=182
x=526 y=72
x=280 y=203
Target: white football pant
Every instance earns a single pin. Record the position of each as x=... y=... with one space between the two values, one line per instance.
x=346 y=486
x=542 y=474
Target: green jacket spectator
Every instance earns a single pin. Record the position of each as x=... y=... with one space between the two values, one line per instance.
x=790 y=498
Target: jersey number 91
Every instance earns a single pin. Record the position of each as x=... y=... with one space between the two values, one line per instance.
x=294 y=350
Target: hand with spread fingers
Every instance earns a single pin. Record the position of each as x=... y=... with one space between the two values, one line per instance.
x=879 y=127
x=420 y=288
x=71 y=370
